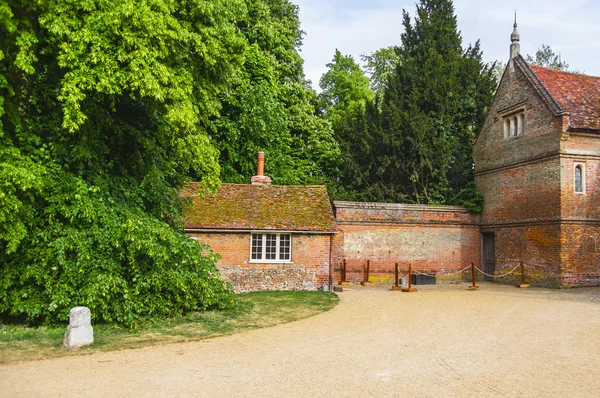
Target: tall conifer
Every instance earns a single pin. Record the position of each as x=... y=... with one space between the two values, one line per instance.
x=431 y=112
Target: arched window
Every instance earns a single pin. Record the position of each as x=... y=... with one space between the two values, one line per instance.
x=578 y=178
x=514 y=124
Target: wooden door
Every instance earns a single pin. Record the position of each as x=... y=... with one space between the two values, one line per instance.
x=488 y=256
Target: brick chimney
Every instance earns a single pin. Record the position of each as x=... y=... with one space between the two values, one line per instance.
x=260 y=178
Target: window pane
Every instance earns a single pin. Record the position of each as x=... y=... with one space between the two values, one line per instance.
x=578 y=179
x=284 y=247
x=257 y=240
x=515 y=126
x=271 y=248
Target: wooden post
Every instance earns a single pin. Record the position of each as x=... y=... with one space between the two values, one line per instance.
x=343 y=282
x=474 y=275
x=410 y=289
x=523 y=284
x=396 y=276
x=366 y=282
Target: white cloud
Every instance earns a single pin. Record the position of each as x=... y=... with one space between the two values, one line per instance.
x=361 y=27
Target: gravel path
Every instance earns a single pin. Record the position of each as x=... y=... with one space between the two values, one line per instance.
x=441 y=341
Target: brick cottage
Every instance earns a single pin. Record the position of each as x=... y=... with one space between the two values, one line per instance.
x=270 y=237
x=537 y=161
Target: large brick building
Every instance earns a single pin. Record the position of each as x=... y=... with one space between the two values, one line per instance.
x=537 y=163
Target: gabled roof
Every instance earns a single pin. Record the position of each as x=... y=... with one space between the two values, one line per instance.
x=260 y=207
x=565 y=92
x=578 y=94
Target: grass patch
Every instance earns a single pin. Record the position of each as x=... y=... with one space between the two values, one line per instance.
x=254 y=311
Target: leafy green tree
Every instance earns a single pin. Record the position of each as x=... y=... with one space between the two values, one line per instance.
x=344 y=88
x=105 y=110
x=270 y=106
x=545 y=57
x=380 y=66
x=430 y=114
x=343 y=101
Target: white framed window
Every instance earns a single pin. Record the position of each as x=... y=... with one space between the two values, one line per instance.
x=270 y=248
x=579 y=178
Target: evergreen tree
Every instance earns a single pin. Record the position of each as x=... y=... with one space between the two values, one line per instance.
x=431 y=113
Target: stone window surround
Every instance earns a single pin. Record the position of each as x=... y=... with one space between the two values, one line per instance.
x=512 y=120
x=263 y=260
x=580 y=165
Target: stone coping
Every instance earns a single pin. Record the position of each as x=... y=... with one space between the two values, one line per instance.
x=398 y=206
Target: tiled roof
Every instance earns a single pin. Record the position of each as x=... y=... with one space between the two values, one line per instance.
x=260 y=207
x=577 y=94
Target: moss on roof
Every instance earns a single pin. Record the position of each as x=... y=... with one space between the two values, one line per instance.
x=260 y=207
x=578 y=94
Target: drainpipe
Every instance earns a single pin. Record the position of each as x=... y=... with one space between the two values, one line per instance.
x=330 y=263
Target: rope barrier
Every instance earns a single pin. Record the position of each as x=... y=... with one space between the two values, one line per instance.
x=498 y=276
x=452 y=273
x=403 y=275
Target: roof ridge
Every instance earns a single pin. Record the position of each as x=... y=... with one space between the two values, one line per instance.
x=556 y=108
x=565 y=71
x=276 y=185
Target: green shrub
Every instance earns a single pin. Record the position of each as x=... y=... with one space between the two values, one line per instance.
x=86 y=249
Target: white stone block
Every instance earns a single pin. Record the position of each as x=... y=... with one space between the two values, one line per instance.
x=80 y=331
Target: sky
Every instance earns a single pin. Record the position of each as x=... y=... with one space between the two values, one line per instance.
x=355 y=27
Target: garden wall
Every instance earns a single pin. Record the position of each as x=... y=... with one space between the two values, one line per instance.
x=440 y=239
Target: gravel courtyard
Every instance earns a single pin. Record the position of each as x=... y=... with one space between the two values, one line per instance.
x=441 y=341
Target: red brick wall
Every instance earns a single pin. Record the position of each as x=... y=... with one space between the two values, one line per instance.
x=580 y=236
x=525 y=192
x=309 y=269
x=580 y=254
x=586 y=205
x=439 y=239
x=542 y=130
x=538 y=246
